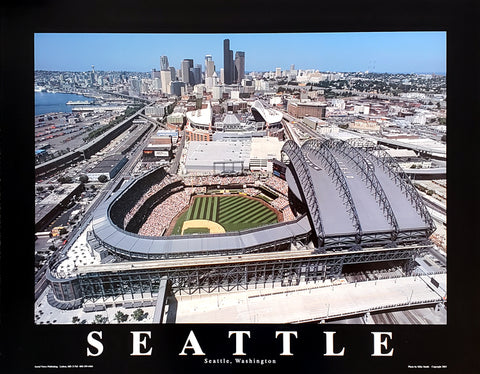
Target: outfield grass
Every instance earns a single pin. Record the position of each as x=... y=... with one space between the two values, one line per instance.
x=234 y=213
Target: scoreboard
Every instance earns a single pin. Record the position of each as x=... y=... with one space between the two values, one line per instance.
x=279 y=169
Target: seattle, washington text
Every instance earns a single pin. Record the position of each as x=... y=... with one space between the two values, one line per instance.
x=381 y=344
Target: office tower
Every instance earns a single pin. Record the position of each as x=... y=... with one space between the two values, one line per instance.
x=222 y=75
x=163 y=63
x=176 y=88
x=209 y=66
x=157 y=84
x=197 y=73
x=173 y=74
x=208 y=58
x=292 y=67
x=210 y=69
x=166 y=78
x=239 y=66
x=227 y=62
x=278 y=72
x=187 y=74
x=155 y=74
x=217 y=92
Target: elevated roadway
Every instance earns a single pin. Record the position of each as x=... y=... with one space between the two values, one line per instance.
x=110 y=186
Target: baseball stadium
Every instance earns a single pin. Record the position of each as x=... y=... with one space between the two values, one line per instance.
x=329 y=204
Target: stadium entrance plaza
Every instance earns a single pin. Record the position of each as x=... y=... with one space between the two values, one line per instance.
x=302 y=303
x=312 y=301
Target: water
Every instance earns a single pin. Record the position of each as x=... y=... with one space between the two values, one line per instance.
x=46 y=102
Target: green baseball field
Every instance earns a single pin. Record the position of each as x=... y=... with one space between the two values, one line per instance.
x=233 y=212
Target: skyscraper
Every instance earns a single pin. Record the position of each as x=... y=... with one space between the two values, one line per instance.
x=239 y=66
x=166 y=79
x=173 y=74
x=163 y=63
x=227 y=62
x=197 y=74
x=187 y=74
x=209 y=66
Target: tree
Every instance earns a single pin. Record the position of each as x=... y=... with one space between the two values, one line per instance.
x=139 y=314
x=102 y=178
x=83 y=178
x=99 y=320
x=121 y=317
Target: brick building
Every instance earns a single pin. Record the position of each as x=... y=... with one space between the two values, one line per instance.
x=301 y=109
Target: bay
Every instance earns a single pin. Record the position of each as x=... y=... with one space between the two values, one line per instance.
x=47 y=102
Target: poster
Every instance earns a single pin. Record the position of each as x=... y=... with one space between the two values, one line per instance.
x=236 y=347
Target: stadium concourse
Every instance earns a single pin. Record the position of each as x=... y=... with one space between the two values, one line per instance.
x=340 y=204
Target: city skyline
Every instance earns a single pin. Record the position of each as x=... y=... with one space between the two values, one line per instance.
x=379 y=52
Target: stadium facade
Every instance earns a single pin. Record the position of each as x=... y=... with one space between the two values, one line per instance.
x=352 y=204
x=261 y=121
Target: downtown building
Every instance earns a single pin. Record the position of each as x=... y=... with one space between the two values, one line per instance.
x=301 y=109
x=233 y=70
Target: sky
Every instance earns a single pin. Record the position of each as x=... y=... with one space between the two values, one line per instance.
x=381 y=52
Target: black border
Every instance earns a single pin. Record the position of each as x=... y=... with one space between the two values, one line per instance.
x=23 y=344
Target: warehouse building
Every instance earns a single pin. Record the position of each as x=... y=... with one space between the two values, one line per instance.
x=109 y=167
x=159 y=148
x=47 y=209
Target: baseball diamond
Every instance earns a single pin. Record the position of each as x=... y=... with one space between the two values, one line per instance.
x=231 y=212
x=201 y=226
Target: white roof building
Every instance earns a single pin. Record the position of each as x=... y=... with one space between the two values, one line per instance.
x=215 y=157
x=268 y=114
x=201 y=116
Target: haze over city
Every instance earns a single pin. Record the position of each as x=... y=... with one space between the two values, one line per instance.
x=381 y=52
